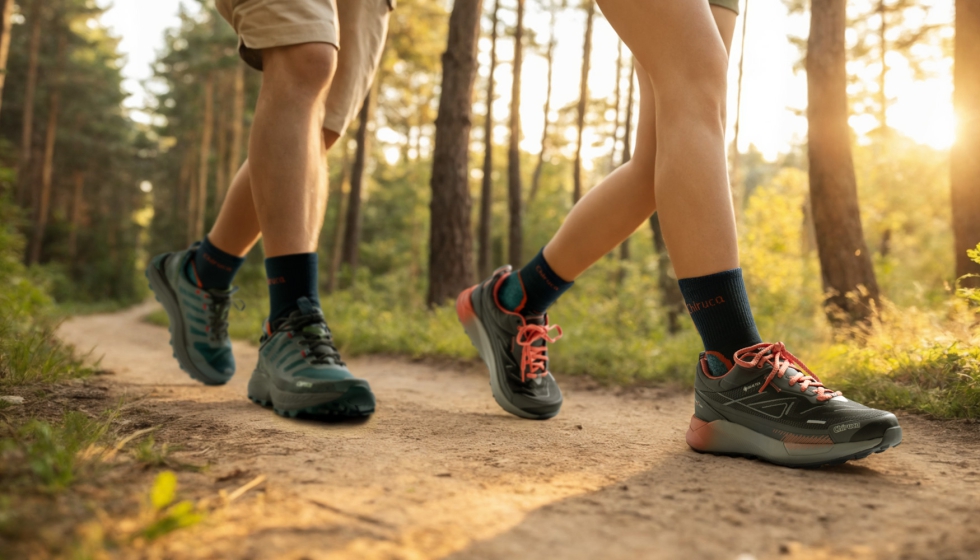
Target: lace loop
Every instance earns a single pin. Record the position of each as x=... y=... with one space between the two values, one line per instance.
x=776 y=355
x=221 y=304
x=316 y=337
x=534 y=359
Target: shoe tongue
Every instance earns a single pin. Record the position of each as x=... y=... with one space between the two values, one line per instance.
x=306 y=307
x=535 y=320
x=317 y=329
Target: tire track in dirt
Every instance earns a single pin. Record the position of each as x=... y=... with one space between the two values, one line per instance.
x=440 y=471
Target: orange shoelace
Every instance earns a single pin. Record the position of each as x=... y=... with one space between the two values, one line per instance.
x=534 y=359
x=781 y=359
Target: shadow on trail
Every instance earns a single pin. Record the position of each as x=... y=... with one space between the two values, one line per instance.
x=701 y=506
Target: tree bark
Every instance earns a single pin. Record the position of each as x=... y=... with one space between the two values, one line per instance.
x=844 y=257
x=965 y=163
x=738 y=185
x=670 y=292
x=237 y=120
x=30 y=91
x=583 y=99
x=338 y=225
x=78 y=180
x=624 y=247
x=221 y=163
x=6 y=21
x=550 y=57
x=42 y=207
x=450 y=237
x=486 y=190
x=352 y=227
x=203 y=164
x=515 y=203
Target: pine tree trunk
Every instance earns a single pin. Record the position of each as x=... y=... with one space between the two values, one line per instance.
x=6 y=21
x=550 y=57
x=515 y=203
x=221 y=163
x=486 y=190
x=237 y=120
x=737 y=183
x=583 y=99
x=451 y=240
x=965 y=163
x=352 y=227
x=30 y=92
x=78 y=180
x=624 y=247
x=670 y=292
x=338 y=225
x=205 y=157
x=42 y=207
x=844 y=257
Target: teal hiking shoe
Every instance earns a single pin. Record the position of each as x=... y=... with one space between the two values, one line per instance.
x=300 y=372
x=198 y=318
x=515 y=349
x=770 y=406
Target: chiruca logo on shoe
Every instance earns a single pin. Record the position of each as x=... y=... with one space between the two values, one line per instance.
x=844 y=427
x=698 y=306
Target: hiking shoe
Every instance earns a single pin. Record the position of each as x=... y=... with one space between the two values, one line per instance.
x=770 y=406
x=198 y=318
x=300 y=371
x=515 y=349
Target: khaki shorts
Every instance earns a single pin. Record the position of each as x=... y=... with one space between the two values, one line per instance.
x=356 y=27
x=730 y=4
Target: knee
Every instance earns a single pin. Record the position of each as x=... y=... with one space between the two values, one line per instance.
x=304 y=70
x=696 y=94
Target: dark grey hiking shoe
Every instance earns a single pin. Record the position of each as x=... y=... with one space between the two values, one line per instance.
x=198 y=318
x=765 y=407
x=514 y=348
x=300 y=372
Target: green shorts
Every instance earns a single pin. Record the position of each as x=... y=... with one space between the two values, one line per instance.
x=730 y=4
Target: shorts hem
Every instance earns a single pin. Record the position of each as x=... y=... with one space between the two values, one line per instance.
x=255 y=40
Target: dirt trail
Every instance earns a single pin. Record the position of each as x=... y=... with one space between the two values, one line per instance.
x=440 y=471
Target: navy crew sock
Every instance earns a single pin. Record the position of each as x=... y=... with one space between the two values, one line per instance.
x=212 y=268
x=532 y=289
x=720 y=310
x=290 y=277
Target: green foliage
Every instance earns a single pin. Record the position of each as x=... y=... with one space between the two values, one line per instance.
x=971 y=295
x=166 y=516
x=912 y=359
x=51 y=454
x=29 y=352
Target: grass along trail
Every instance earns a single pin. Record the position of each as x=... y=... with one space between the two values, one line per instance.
x=441 y=472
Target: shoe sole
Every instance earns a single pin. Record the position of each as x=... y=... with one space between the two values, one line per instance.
x=478 y=336
x=165 y=295
x=355 y=402
x=722 y=437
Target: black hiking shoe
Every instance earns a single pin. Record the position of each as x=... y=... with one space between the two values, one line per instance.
x=300 y=372
x=514 y=348
x=198 y=318
x=765 y=407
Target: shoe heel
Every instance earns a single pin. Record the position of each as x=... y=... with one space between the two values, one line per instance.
x=464 y=306
x=700 y=434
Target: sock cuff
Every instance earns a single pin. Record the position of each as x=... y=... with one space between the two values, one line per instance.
x=539 y=267
x=277 y=267
x=216 y=257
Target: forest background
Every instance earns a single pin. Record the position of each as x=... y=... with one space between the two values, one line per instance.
x=89 y=189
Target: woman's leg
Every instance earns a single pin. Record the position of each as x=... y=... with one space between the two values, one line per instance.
x=614 y=209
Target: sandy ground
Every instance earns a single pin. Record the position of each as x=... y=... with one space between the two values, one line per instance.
x=441 y=472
